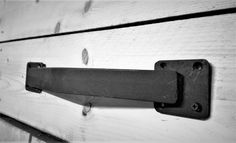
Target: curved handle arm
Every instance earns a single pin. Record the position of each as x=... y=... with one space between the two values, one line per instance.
x=144 y=85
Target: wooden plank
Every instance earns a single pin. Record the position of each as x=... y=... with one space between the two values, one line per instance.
x=212 y=38
x=15 y=131
x=33 y=18
x=11 y=133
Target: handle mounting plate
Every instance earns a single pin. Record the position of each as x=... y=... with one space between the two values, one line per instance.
x=194 y=101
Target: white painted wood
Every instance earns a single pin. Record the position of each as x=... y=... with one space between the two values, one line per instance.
x=211 y=38
x=26 y=18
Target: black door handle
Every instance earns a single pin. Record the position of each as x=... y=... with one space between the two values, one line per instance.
x=165 y=85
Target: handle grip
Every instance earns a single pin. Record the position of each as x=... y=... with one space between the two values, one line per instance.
x=144 y=85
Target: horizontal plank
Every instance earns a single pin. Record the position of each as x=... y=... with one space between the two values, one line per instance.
x=20 y=19
x=9 y=132
x=211 y=38
x=15 y=131
x=65 y=120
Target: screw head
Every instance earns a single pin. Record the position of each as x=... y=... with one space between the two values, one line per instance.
x=197 y=66
x=196 y=107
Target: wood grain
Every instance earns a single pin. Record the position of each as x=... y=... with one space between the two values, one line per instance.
x=211 y=38
x=27 y=18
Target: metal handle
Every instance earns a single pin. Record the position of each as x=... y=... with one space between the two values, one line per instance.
x=144 y=85
x=178 y=87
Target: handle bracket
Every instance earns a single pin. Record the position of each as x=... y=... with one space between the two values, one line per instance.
x=180 y=87
x=195 y=100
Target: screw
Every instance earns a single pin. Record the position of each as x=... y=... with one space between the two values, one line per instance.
x=196 y=107
x=197 y=66
x=163 y=65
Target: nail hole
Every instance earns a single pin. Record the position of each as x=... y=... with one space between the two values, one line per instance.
x=163 y=65
x=197 y=66
x=87 y=6
x=57 y=27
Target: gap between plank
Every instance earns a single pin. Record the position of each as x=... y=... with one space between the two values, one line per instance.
x=43 y=136
x=133 y=24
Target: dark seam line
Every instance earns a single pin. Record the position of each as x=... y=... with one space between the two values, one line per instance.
x=133 y=24
x=41 y=135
